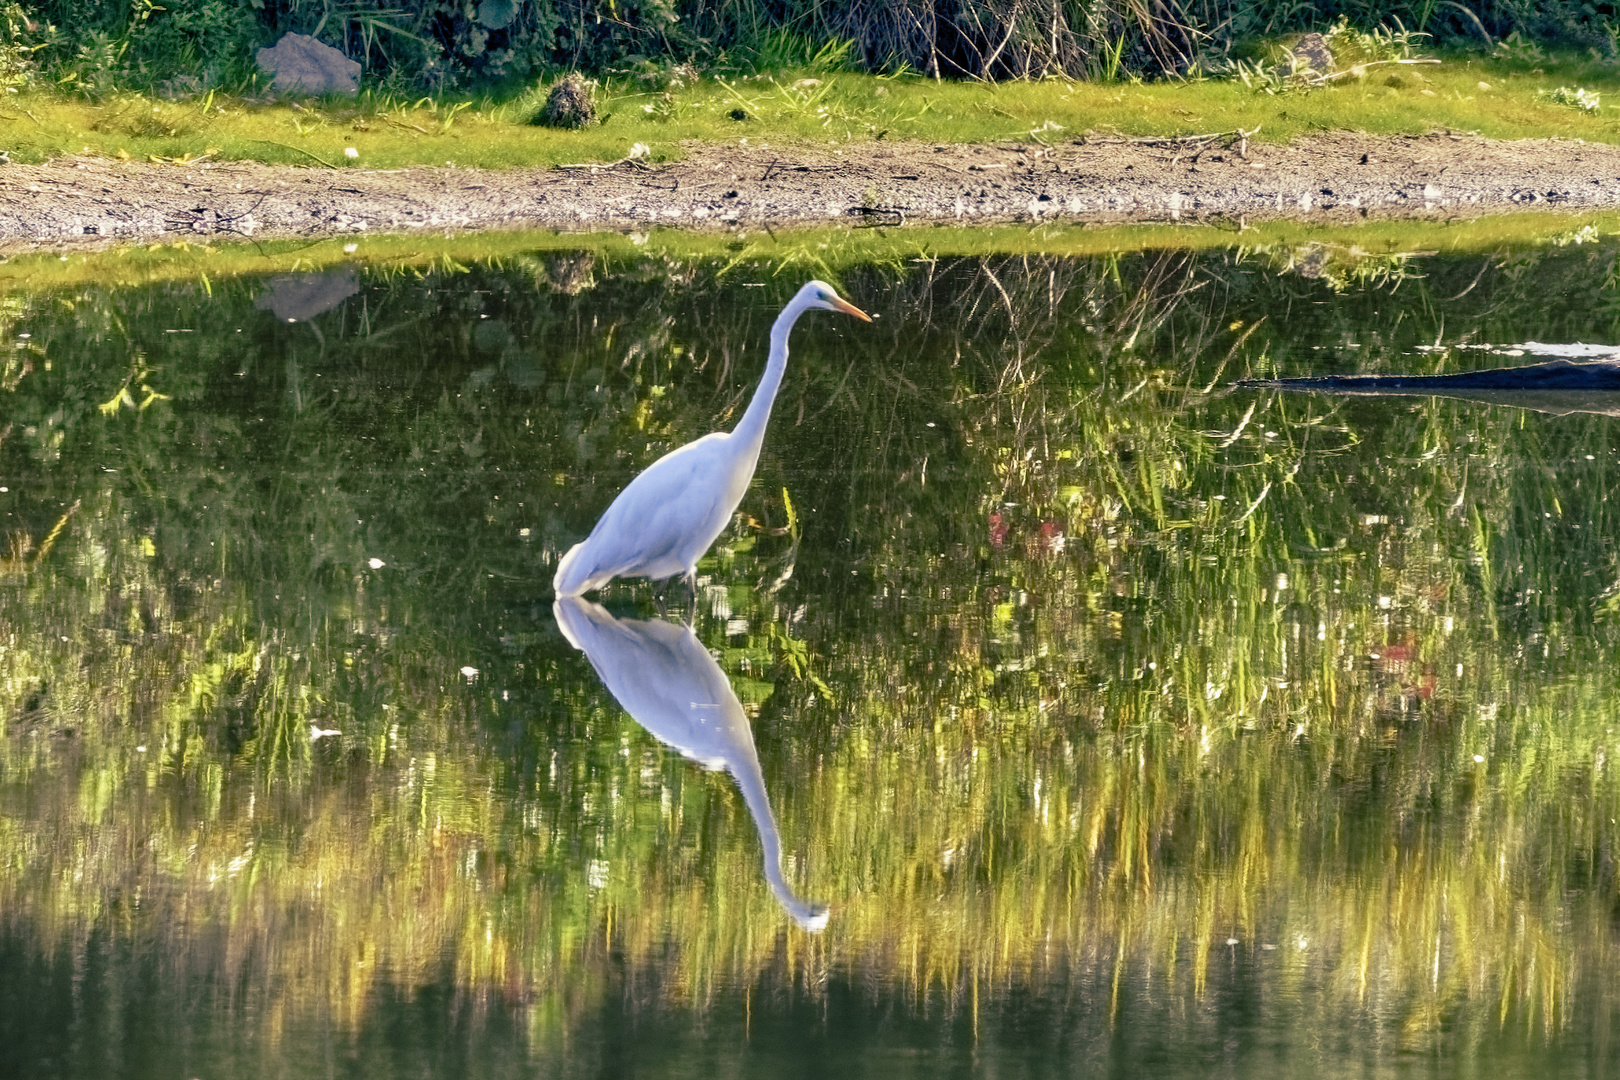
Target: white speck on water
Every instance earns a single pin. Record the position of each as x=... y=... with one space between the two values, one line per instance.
x=376 y=564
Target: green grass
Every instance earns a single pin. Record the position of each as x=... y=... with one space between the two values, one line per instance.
x=1513 y=102
x=825 y=251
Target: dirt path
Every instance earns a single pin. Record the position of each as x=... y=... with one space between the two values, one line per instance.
x=1331 y=178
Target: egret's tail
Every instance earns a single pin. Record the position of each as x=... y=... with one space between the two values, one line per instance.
x=573 y=576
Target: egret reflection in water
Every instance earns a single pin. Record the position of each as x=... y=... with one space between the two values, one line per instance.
x=669 y=684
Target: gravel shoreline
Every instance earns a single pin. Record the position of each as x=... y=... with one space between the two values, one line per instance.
x=1335 y=178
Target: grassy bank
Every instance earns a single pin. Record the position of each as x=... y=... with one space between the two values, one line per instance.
x=829 y=252
x=444 y=44
x=1498 y=97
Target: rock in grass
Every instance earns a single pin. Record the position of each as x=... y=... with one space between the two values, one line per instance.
x=301 y=64
x=1311 y=53
x=569 y=104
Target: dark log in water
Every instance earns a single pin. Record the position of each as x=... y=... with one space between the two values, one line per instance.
x=1556 y=386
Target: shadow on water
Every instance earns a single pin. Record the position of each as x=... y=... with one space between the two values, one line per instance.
x=667 y=681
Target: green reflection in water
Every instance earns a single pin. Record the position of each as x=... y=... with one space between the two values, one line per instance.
x=1120 y=719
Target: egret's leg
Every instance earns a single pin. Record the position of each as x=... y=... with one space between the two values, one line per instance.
x=662 y=600
x=690 y=580
x=660 y=595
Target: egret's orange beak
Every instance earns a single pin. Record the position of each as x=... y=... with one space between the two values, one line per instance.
x=850 y=309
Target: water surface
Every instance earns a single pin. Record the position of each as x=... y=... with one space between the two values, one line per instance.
x=1106 y=719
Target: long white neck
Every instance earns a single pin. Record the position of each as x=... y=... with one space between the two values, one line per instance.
x=751 y=428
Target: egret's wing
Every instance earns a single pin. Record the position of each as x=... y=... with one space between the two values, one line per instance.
x=667 y=517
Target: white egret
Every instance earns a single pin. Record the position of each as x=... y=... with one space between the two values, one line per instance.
x=663 y=522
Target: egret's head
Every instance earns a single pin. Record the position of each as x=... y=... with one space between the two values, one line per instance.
x=822 y=295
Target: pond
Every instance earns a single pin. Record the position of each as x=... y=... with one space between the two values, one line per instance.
x=1077 y=711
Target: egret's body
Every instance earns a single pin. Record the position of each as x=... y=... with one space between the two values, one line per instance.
x=663 y=522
